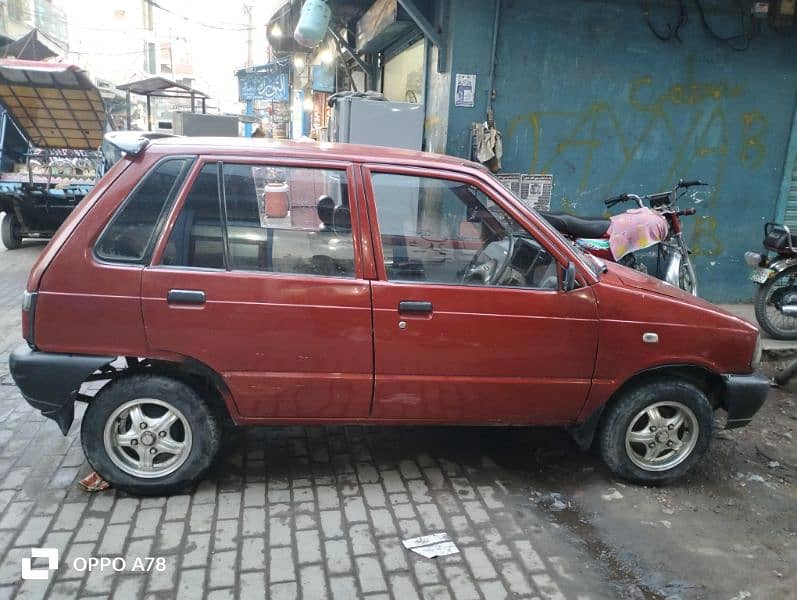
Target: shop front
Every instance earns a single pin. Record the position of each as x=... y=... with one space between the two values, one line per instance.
x=370 y=46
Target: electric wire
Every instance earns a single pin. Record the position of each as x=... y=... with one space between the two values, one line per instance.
x=227 y=27
x=732 y=40
x=672 y=32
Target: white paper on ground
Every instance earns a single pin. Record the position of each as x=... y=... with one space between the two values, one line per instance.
x=431 y=546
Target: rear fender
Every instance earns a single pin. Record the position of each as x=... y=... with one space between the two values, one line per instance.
x=672 y=269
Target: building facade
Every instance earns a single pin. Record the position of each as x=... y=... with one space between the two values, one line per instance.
x=587 y=92
x=616 y=96
x=18 y=17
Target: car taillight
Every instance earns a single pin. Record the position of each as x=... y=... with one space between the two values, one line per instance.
x=28 y=316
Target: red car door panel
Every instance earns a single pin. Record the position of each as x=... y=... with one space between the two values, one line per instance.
x=484 y=354
x=288 y=323
x=519 y=352
x=285 y=346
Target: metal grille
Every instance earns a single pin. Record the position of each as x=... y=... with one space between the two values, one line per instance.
x=533 y=190
x=791 y=200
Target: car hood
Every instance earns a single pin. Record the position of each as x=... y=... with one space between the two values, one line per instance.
x=640 y=281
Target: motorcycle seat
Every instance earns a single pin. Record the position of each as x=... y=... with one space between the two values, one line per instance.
x=577 y=227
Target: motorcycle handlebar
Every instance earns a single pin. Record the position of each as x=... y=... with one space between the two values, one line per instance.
x=615 y=200
x=690 y=183
x=686 y=212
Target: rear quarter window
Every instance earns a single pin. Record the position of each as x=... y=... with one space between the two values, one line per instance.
x=131 y=234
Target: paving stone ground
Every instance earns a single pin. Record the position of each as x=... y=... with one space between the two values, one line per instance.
x=289 y=513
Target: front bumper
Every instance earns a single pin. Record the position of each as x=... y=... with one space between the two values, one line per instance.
x=50 y=382
x=742 y=396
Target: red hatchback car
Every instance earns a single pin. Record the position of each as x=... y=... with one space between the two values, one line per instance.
x=213 y=281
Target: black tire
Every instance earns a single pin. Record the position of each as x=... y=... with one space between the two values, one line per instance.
x=11 y=231
x=784 y=376
x=623 y=414
x=763 y=298
x=204 y=426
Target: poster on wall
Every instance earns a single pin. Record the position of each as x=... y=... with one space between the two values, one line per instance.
x=465 y=90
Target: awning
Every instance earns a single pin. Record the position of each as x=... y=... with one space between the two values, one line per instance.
x=56 y=105
x=160 y=86
x=30 y=47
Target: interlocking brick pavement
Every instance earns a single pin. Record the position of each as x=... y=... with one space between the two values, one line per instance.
x=290 y=512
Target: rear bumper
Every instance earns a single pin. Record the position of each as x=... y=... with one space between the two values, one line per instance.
x=742 y=396
x=50 y=382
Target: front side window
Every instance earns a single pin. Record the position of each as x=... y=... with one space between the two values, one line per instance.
x=131 y=235
x=449 y=232
x=278 y=220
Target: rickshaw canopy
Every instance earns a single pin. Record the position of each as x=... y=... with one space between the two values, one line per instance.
x=56 y=105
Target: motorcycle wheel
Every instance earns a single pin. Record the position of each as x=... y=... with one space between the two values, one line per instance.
x=767 y=299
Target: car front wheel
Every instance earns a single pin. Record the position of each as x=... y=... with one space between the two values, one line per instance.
x=149 y=435
x=657 y=431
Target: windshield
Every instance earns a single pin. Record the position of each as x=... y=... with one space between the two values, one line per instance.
x=595 y=265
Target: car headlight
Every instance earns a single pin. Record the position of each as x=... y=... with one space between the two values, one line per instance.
x=759 y=350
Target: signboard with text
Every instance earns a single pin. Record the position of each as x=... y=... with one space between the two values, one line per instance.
x=268 y=82
x=323 y=78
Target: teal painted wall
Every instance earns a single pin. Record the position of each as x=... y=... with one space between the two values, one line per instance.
x=587 y=93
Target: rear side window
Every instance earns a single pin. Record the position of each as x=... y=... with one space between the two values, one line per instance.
x=288 y=220
x=275 y=219
x=130 y=236
x=197 y=239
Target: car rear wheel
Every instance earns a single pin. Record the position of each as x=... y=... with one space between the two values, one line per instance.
x=11 y=231
x=657 y=431
x=149 y=435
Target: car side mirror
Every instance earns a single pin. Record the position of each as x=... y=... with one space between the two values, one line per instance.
x=569 y=280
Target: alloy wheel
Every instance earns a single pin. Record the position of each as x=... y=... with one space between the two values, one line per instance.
x=147 y=438
x=661 y=436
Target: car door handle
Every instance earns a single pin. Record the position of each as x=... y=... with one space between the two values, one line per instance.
x=185 y=297
x=412 y=307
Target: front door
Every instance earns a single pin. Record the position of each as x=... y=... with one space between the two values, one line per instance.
x=259 y=278
x=470 y=324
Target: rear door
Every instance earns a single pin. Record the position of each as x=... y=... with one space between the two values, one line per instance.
x=454 y=340
x=259 y=277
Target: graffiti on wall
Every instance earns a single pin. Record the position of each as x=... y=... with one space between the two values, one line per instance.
x=687 y=127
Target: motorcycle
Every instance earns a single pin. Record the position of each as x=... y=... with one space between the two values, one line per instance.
x=776 y=281
x=649 y=240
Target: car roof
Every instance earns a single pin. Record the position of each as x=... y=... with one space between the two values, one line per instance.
x=259 y=147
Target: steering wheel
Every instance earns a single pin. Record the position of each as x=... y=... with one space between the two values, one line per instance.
x=490 y=271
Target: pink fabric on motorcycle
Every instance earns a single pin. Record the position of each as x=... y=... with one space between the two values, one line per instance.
x=634 y=230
